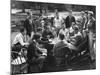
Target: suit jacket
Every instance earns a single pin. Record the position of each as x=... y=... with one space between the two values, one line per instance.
x=45 y=34
x=58 y=46
x=29 y=27
x=69 y=20
x=91 y=24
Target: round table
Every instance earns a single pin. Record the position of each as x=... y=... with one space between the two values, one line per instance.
x=56 y=40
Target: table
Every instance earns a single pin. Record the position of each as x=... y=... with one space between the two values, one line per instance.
x=56 y=40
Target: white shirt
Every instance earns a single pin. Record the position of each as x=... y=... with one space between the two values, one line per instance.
x=64 y=31
x=58 y=22
x=19 y=38
x=71 y=30
x=78 y=34
x=73 y=38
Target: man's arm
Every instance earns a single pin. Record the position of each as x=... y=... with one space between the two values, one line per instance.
x=20 y=40
x=66 y=21
x=25 y=23
x=54 y=23
x=32 y=33
x=74 y=19
x=53 y=49
x=84 y=26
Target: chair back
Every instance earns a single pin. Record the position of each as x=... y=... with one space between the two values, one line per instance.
x=61 y=52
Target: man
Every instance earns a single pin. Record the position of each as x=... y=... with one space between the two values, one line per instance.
x=19 y=41
x=71 y=30
x=64 y=31
x=28 y=25
x=91 y=25
x=91 y=21
x=69 y=19
x=57 y=23
x=20 y=38
x=36 y=54
x=75 y=39
x=82 y=19
x=86 y=20
x=59 y=51
x=47 y=32
x=60 y=44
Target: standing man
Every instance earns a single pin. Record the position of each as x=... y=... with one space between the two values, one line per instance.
x=57 y=22
x=86 y=20
x=69 y=19
x=82 y=19
x=91 y=25
x=28 y=25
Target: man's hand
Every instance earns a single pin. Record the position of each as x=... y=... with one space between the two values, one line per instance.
x=66 y=56
x=32 y=33
x=26 y=44
x=30 y=41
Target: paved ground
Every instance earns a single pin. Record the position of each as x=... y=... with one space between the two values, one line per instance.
x=83 y=64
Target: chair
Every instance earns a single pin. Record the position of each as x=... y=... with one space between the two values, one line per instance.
x=82 y=51
x=62 y=55
x=18 y=61
x=83 y=46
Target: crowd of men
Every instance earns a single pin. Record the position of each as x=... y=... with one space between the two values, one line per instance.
x=57 y=37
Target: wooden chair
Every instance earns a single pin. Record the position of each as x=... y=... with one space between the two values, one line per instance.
x=62 y=55
x=18 y=64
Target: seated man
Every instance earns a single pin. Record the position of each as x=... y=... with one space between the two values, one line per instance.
x=41 y=48
x=61 y=43
x=64 y=31
x=39 y=30
x=47 y=33
x=76 y=37
x=60 y=55
x=42 y=54
x=71 y=31
x=36 y=53
x=19 y=41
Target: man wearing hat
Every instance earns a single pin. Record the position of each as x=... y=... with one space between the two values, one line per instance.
x=91 y=25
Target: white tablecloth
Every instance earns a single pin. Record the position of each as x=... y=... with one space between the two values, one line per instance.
x=56 y=40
